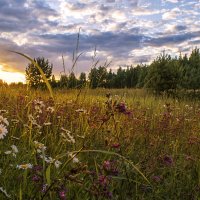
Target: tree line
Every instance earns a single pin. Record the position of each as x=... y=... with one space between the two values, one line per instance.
x=165 y=73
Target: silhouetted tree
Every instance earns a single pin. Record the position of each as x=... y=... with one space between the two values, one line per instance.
x=33 y=75
x=82 y=80
x=72 y=81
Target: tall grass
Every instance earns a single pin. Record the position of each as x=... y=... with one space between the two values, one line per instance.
x=107 y=144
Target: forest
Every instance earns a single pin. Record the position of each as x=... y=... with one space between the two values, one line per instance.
x=164 y=74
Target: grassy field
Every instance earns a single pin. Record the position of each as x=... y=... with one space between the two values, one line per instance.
x=98 y=144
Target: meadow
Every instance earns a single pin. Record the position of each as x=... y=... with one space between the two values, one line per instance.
x=98 y=144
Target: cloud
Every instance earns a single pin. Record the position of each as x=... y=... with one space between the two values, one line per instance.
x=125 y=32
x=173 y=1
x=172 y=14
x=172 y=39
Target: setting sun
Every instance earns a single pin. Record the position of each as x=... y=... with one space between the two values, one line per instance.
x=10 y=77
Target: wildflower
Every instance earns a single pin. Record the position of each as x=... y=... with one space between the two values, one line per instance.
x=25 y=166
x=3 y=111
x=36 y=178
x=39 y=146
x=50 y=109
x=15 y=121
x=4 y=120
x=168 y=160
x=44 y=188
x=32 y=120
x=103 y=180
x=57 y=163
x=62 y=194
x=67 y=136
x=156 y=179
x=14 y=151
x=37 y=168
x=81 y=110
x=49 y=160
x=121 y=107
x=107 y=165
x=115 y=145
x=47 y=123
x=74 y=158
x=39 y=105
x=3 y=131
x=110 y=167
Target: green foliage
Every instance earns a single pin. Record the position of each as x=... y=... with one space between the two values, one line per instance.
x=97 y=77
x=82 y=80
x=33 y=75
x=192 y=70
x=72 y=81
x=163 y=74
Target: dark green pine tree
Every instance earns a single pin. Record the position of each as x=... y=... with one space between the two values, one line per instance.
x=120 y=78
x=82 y=80
x=163 y=74
x=193 y=71
x=72 y=81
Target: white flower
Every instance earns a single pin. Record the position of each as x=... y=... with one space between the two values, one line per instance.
x=5 y=193
x=67 y=137
x=3 y=111
x=50 y=109
x=4 y=120
x=57 y=163
x=39 y=146
x=14 y=149
x=8 y=152
x=25 y=166
x=3 y=131
x=32 y=120
x=39 y=103
x=74 y=158
x=47 y=123
x=49 y=160
x=15 y=121
x=81 y=110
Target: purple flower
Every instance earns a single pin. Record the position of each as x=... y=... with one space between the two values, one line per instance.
x=156 y=179
x=107 y=165
x=37 y=168
x=103 y=180
x=62 y=194
x=115 y=145
x=44 y=188
x=36 y=179
x=168 y=160
x=129 y=113
x=121 y=107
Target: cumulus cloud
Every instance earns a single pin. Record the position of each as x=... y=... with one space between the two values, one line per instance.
x=171 y=14
x=173 y=1
x=125 y=32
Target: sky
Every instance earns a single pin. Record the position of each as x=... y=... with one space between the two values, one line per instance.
x=122 y=32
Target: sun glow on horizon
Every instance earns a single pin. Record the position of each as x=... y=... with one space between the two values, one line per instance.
x=11 y=77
